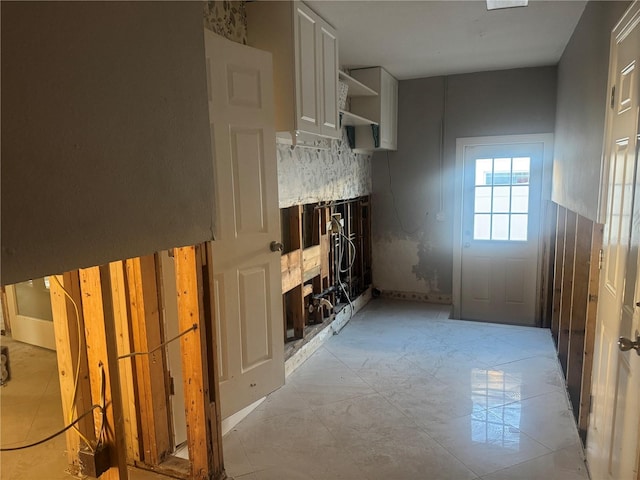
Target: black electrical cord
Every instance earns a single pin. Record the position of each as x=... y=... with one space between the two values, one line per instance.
x=134 y=354
x=50 y=437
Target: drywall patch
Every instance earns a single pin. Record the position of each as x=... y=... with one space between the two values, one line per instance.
x=310 y=175
x=227 y=18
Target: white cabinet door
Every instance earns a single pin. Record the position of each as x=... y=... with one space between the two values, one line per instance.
x=247 y=278
x=329 y=82
x=388 y=110
x=307 y=64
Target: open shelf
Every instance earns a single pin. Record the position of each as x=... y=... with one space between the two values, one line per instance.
x=351 y=119
x=356 y=88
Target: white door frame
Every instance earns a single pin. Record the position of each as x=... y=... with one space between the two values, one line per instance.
x=461 y=146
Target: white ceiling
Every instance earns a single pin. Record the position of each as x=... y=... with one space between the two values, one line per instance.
x=414 y=39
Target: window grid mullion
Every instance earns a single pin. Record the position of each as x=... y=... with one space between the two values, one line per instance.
x=493 y=180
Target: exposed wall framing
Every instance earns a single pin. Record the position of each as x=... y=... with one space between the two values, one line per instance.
x=326 y=248
x=119 y=322
x=578 y=241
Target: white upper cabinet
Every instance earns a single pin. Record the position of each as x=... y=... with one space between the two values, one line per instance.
x=305 y=63
x=381 y=109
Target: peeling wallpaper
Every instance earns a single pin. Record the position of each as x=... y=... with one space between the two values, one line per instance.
x=308 y=175
x=227 y=18
x=305 y=175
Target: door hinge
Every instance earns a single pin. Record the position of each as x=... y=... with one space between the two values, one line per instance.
x=590 y=403
x=600 y=259
x=172 y=386
x=613 y=96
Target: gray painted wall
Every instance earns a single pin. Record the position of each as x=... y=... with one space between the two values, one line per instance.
x=580 y=115
x=413 y=252
x=105 y=140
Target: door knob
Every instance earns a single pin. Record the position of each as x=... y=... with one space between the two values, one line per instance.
x=625 y=344
x=276 y=246
x=467 y=245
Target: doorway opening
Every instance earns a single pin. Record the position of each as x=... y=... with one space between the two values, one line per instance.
x=500 y=186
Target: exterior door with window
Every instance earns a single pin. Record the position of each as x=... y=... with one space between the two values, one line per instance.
x=500 y=224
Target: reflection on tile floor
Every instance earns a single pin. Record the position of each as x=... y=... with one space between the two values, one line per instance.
x=403 y=393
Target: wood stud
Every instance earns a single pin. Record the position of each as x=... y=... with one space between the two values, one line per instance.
x=69 y=329
x=147 y=333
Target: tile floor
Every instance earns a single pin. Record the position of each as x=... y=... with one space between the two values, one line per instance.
x=403 y=393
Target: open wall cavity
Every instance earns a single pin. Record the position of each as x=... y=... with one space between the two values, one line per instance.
x=326 y=262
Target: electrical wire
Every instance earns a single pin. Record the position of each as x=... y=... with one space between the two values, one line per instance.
x=50 y=437
x=395 y=207
x=72 y=405
x=134 y=354
x=340 y=256
x=353 y=259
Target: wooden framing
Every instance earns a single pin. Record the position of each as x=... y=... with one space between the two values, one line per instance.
x=590 y=331
x=71 y=350
x=121 y=363
x=564 y=325
x=127 y=365
x=102 y=356
x=146 y=333
x=195 y=308
x=578 y=241
x=309 y=264
x=579 y=301
x=558 y=272
x=548 y=262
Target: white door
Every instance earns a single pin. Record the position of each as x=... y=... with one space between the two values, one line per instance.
x=612 y=441
x=29 y=312
x=500 y=232
x=247 y=277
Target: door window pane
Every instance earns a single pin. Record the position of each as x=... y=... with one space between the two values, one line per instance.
x=500 y=227
x=483 y=200
x=502 y=171
x=501 y=199
x=484 y=169
x=519 y=227
x=482 y=227
x=521 y=170
x=520 y=199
